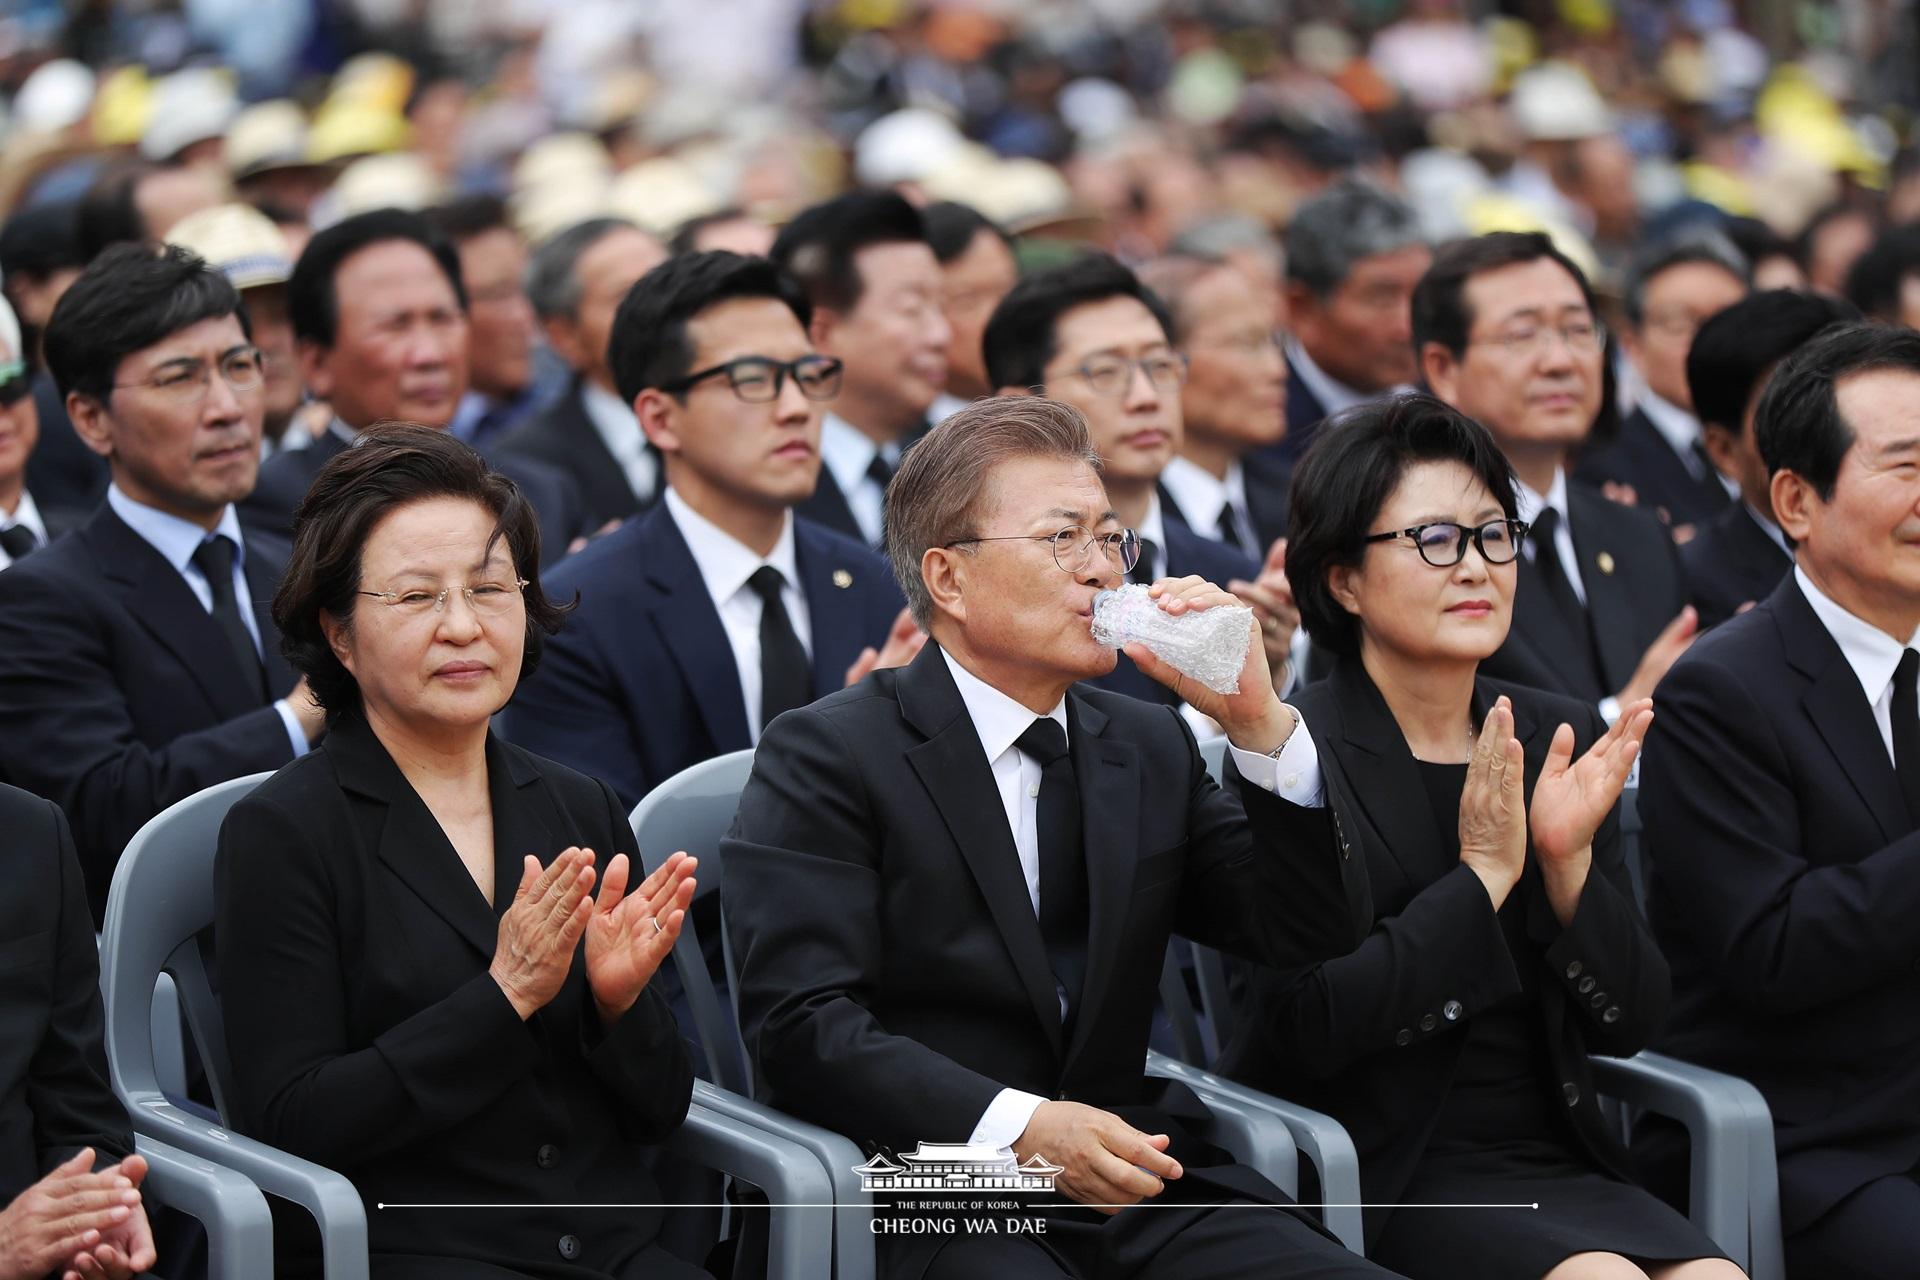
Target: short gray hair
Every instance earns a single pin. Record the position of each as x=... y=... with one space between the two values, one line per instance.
x=1217 y=237
x=1701 y=244
x=552 y=286
x=1350 y=220
x=935 y=495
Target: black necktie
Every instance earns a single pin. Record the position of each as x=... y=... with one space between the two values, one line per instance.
x=1230 y=530
x=786 y=675
x=879 y=472
x=214 y=558
x=1063 y=862
x=17 y=540
x=1143 y=568
x=1562 y=601
x=1905 y=714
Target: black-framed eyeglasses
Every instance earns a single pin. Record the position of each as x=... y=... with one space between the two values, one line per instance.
x=759 y=380
x=1073 y=546
x=16 y=384
x=1443 y=544
x=1112 y=375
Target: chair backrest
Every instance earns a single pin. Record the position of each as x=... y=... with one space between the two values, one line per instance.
x=1214 y=751
x=1193 y=1041
x=692 y=810
x=160 y=902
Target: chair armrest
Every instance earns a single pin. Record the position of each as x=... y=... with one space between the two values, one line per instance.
x=328 y=1196
x=837 y=1154
x=1316 y=1135
x=1732 y=1182
x=800 y=1232
x=238 y=1224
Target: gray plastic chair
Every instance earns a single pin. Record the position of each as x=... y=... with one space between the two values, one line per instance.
x=160 y=901
x=692 y=811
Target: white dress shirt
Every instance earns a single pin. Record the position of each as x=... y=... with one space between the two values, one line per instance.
x=176 y=540
x=847 y=452
x=1203 y=498
x=725 y=564
x=1681 y=431
x=1871 y=652
x=945 y=405
x=26 y=515
x=619 y=429
x=999 y=720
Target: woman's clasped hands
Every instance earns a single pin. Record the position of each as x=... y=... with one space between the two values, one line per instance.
x=627 y=935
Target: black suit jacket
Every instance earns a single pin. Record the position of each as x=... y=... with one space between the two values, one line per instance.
x=1640 y=456
x=641 y=682
x=286 y=477
x=366 y=1034
x=563 y=437
x=1373 y=1038
x=893 y=979
x=1731 y=561
x=1784 y=885
x=1634 y=589
x=117 y=693
x=1266 y=506
x=1186 y=553
x=54 y=1094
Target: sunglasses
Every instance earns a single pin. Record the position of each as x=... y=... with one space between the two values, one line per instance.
x=16 y=384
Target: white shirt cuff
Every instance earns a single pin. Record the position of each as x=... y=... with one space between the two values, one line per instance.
x=295 y=734
x=1294 y=775
x=1006 y=1118
x=1610 y=710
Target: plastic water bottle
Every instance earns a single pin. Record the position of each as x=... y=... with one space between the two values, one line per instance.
x=1208 y=645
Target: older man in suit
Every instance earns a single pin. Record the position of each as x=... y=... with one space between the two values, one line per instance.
x=138 y=661
x=951 y=886
x=576 y=281
x=705 y=618
x=68 y=1175
x=1781 y=794
x=1507 y=332
x=380 y=319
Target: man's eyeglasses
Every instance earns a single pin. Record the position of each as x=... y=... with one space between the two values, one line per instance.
x=1073 y=547
x=16 y=384
x=488 y=599
x=243 y=367
x=1443 y=543
x=758 y=380
x=1583 y=338
x=1112 y=375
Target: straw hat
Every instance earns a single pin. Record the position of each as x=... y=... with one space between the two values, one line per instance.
x=238 y=239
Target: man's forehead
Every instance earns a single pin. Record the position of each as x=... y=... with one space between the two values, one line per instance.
x=747 y=327
x=1540 y=285
x=1880 y=405
x=212 y=337
x=1033 y=487
x=1119 y=323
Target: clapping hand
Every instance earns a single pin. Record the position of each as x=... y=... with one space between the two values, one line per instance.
x=1271 y=597
x=1493 y=806
x=540 y=930
x=629 y=936
x=1572 y=798
x=125 y=1248
x=904 y=640
x=69 y=1213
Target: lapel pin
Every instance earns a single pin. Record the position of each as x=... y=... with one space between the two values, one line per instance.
x=1605 y=561
x=843 y=579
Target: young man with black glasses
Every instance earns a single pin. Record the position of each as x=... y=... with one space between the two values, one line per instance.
x=716 y=610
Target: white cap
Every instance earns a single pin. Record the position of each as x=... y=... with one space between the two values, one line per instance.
x=188 y=106
x=1556 y=102
x=56 y=95
x=905 y=146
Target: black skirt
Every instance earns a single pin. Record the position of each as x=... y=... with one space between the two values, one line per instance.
x=1512 y=1193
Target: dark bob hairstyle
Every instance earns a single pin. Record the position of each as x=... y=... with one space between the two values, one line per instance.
x=1347 y=474
x=393 y=465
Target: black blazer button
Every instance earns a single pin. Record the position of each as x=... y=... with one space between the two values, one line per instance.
x=569 y=1247
x=1598 y=1000
x=1428 y=1022
x=1587 y=984
x=1572 y=1093
x=1611 y=1016
x=1451 y=1011
x=1405 y=1037
x=547 y=1156
x=1574 y=970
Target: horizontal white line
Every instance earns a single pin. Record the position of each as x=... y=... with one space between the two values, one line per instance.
x=1072 y=1204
